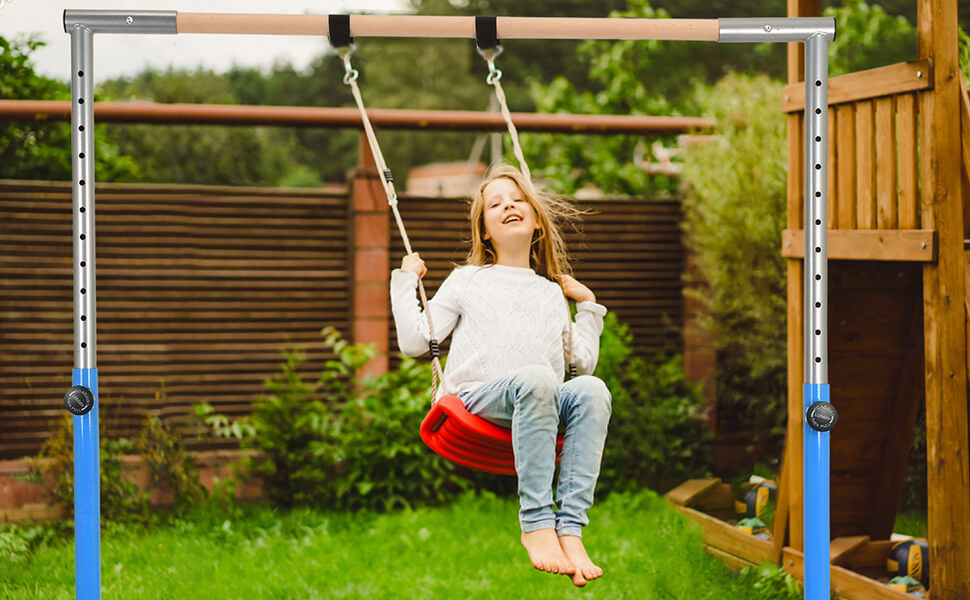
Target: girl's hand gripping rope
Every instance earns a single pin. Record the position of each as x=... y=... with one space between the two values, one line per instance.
x=413 y=263
x=577 y=291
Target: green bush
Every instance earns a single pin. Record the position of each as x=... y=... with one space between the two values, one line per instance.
x=170 y=466
x=658 y=434
x=734 y=215
x=769 y=582
x=53 y=469
x=343 y=442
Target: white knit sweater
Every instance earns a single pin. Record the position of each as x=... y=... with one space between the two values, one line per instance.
x=502 y=318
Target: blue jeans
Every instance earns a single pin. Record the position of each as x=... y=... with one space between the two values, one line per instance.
x=531 y=400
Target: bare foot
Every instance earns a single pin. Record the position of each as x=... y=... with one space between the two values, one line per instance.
x=545 y=552
x=572 y=547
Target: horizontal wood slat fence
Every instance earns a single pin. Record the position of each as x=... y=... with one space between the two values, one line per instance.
x=200 y=288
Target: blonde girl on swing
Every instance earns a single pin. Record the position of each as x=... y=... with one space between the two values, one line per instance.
x=507 y=312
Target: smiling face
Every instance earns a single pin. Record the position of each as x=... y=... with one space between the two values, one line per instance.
x=507 y=214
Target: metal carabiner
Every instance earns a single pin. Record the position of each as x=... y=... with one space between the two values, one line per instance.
x=489 y=54
x=350 y=73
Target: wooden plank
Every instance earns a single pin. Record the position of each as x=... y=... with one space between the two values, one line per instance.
x=846 y=170
x=841 y=547
x=845 y=583
x=917 y=245
x=687 y=492
x=833 y=172
x=966 y=291
x=948 y=517
x=796 y=171
x=735 y=563
x=865 y=175
x=868 y=556
x=795 y=274
x=965 y=153
x=796 y=375
x=908 y=165
x=779 y=524
x=729 y=539
x=885 y=161
x=903 y=77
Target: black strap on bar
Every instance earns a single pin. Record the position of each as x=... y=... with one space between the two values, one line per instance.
x=388 y=177
x=433 y=347
x=486 y=32
x=340 y=31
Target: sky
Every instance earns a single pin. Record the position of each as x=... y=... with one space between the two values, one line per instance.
x=118 y=55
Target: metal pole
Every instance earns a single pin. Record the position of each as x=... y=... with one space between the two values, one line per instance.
x=820 y=416
x=87 y=506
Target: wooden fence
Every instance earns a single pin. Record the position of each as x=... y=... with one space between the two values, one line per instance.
x=200 y=289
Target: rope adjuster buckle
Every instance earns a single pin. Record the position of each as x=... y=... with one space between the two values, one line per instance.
x=433 y=347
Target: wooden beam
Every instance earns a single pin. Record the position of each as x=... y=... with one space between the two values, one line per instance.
x=907 y=162
x=841 y=547
x=918 y=245
x=793 y=515
x=349 y=118
x=779 y=524
x=864 y=85
x=729 y=539
x=686 y=493
x=845 y=583
x=965 y=139
x=944 y=325
x=735 y=563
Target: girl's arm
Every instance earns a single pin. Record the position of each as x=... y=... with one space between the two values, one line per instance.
x=587 y=327
x=409 y=320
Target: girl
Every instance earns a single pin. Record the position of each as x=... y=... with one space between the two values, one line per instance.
x=506 y=309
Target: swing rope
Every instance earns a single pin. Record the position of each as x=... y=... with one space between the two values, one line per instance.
x=343 y=43
x=488 y=46
x=387 y=180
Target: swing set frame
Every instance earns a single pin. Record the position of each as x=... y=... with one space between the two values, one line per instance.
x=815 y=33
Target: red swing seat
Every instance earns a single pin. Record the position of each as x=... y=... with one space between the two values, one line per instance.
x=459 y=436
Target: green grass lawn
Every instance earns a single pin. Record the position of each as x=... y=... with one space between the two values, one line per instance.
x=469 y=549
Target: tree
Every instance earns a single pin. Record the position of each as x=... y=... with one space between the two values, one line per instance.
x=36 y=150
x=659 y=78
x=196 y=153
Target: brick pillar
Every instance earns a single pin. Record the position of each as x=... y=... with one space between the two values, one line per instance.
x=371 y=305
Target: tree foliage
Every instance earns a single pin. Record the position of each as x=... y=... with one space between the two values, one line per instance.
x=37 y=150
x=734 y=215
x=660 y=78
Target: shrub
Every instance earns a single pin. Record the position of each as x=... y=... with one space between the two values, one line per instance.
x=342 y=442
x=53 y=468
x=769 y=582
x=382 y=462
x=658 y=436
x=170 y=465
x=734 y=215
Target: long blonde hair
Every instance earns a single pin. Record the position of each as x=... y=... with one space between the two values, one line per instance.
x=548 y=255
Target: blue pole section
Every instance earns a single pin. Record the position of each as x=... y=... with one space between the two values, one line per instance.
x=815 y=453
x=87 y=494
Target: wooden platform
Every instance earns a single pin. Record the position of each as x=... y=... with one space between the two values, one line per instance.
x=855 y=560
